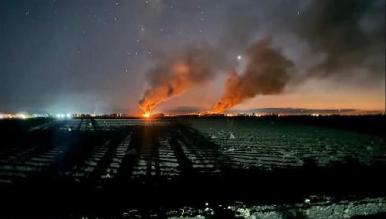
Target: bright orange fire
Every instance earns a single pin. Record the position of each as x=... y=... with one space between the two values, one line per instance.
x=232 y=94
x=178 y=81
x=146 y=115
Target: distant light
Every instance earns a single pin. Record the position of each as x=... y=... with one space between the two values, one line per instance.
x=60 y=116
x=239 y=57
x=37 y=115
x=69 y=116
x=21 y=116
x=5 y=116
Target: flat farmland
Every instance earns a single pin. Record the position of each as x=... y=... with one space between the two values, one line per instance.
x=174 y=162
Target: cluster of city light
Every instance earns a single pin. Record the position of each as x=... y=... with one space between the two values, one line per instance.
x=35 y=115
x=14 y=116
x=63 y=116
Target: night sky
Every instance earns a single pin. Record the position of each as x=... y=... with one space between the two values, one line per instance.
x=100 y=55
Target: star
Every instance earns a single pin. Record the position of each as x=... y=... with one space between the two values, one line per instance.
x=239 y=57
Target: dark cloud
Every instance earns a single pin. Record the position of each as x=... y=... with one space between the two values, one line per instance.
x=350 y=32
x=325 y=38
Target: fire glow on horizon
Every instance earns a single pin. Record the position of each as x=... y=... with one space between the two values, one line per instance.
x=266 y=73
x=146 y=115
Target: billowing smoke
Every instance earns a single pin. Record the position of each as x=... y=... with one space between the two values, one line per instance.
x=331 y=39
x=266 y=72
x=173 y=76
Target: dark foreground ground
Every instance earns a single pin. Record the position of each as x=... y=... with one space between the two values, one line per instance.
x=293 y=167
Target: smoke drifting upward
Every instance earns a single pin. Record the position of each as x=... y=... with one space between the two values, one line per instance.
x=328 y=40
x=266 y=73
x=174 y=76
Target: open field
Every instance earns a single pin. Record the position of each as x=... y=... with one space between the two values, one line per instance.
x=107 y=166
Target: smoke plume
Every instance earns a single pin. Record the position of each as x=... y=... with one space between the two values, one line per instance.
x=331 y=40
x=173 y=76
x=266 y=73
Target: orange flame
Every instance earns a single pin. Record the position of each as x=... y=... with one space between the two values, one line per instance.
x=174 y=75
x=232 y=94
x=146 y=114
x=266 y=73
x=178 y=82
